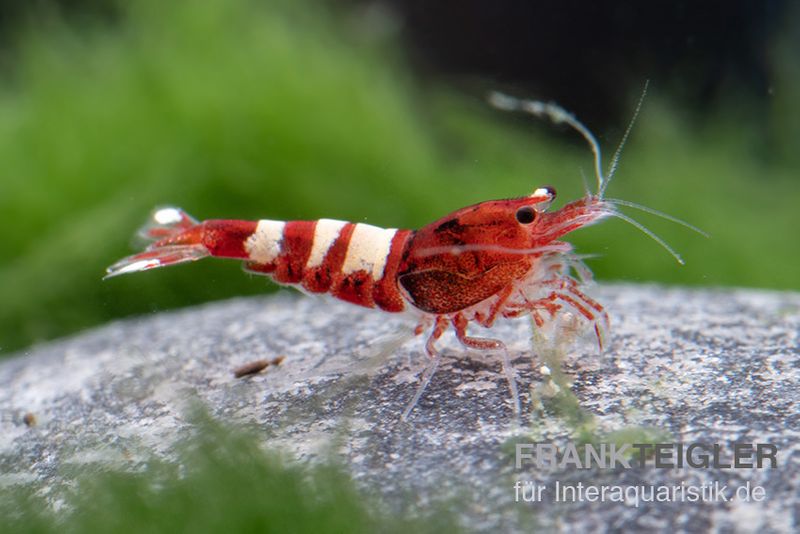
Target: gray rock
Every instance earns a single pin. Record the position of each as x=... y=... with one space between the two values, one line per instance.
x=712 y=366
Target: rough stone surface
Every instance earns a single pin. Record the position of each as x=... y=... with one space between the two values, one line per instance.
x=697 y=365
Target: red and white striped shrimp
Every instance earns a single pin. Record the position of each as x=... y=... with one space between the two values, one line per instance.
x=499 y=258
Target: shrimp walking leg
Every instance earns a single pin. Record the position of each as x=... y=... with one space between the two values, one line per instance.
x=460 y=324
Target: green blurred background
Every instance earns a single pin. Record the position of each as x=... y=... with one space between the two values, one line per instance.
x=244 y=109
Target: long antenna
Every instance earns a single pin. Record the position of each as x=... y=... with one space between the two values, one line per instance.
x=557 y=115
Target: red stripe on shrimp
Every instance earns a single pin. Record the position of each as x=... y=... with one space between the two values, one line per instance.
x=321 y=278
x=328 y=250
x=295 y=248
x=386 y=293
x=226 y=238
x=222 y=238
x=355 y=288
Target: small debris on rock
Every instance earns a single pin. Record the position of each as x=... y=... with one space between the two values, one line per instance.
x=29 y=419
x=256 y=366
x=250 y=368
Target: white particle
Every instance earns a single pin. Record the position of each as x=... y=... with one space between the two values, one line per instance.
x=167 y=216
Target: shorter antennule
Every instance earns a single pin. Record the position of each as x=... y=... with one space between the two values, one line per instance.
x=657 y=213
x=612 y=168
x=648 y=232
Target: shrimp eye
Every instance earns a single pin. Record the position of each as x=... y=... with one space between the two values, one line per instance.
x=526 y=215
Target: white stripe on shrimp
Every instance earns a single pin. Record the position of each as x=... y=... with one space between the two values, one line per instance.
x=368 y=249
x=325 y=234
x=264 y=246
